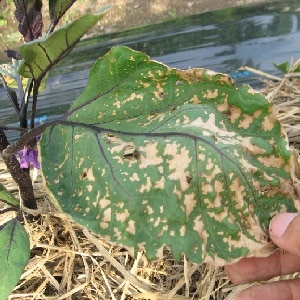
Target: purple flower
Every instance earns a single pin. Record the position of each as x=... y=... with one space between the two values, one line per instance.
x=27 y=156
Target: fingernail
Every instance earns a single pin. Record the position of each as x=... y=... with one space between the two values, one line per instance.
x=280 y=223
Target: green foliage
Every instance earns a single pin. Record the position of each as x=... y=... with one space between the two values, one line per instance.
x=14 y=244
x=8 y=197
x=286 y=67
x=42 y=54
x=38 y=56
x=14 y=255
x=150 y=156
x=3 y=22
x=58 y=8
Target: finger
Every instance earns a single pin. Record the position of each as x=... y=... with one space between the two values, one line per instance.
x=285 y=232
x=280 y=290
x=263 y=268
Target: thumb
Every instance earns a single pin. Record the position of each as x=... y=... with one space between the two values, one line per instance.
x=285 y=232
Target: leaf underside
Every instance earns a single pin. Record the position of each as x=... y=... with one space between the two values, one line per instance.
x=150 y=156
x=29 y=15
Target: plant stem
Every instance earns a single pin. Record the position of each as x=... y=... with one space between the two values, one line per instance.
x=12 y=96
x=35 y=93
x=26 y=138
x=20 y=89
x=21 y=178
x=24 y=106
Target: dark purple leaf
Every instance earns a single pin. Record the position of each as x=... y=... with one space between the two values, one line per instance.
x=28 y=13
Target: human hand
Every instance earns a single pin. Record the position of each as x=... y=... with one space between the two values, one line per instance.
x=285 y=233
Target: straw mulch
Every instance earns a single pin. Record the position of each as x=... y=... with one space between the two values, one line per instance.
x=68 y=262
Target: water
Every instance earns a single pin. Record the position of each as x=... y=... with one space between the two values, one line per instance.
x=223 y=41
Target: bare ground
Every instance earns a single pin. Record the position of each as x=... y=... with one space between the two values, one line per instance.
x=124 y=14
x=131 y=13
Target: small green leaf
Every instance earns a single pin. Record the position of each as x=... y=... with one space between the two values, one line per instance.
x=42 y=54
x=14 y=255
x=57 y=8
x=149 y=156
x=284 y=67
x=8 y=197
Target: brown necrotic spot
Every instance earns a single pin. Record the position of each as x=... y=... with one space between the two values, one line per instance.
x=214 y=138
x=189 y=179
x=87 y=174
x=130 y=152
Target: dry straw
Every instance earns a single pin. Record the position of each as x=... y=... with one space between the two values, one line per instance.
x=68 y=262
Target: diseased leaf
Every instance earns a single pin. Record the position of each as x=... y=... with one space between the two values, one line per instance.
x=8 y=197
x=28 y=13
x=40 y=55
x=14 y=255
x=150 y=156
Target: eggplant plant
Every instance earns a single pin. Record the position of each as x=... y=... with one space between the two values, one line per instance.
x=150 y=156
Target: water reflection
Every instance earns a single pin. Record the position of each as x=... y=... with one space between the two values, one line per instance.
x=223 y=41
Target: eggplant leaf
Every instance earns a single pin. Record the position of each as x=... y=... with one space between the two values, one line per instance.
x=28 y=13
x=42 y=54
x=14 y=255
x=8 y=197
x=286 y=68
x=57 y=8
x=150 y=156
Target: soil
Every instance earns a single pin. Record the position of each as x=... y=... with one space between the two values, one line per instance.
x=131 y=13
x=124 y=14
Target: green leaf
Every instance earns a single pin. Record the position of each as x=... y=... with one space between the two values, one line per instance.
x=150 y=156
x=8 y=197
x=57 y=8
x=286 y=67
x=14 y=255
x=42 y=54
